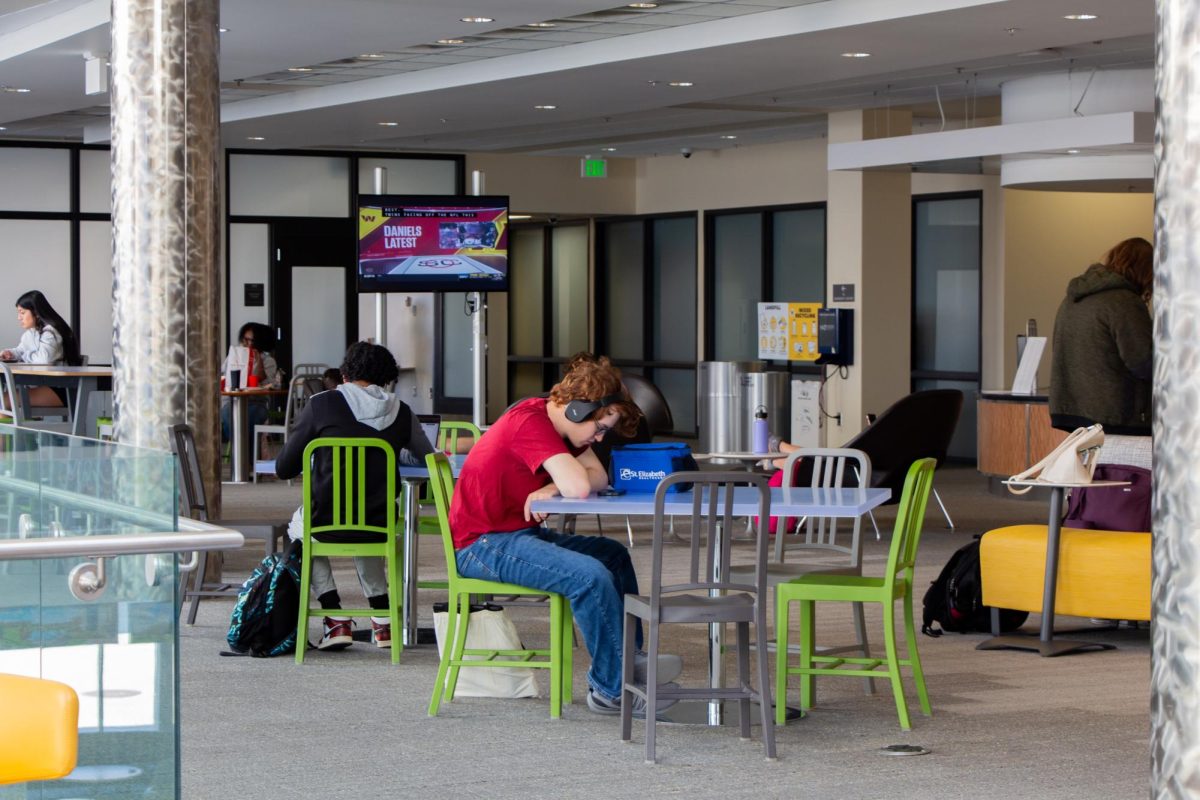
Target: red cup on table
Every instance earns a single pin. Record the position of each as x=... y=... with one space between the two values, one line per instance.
x=252 y=381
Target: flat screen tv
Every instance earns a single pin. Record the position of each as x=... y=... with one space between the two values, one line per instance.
x=432 y=243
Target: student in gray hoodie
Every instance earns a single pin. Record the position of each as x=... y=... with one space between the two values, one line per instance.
x=359 y=407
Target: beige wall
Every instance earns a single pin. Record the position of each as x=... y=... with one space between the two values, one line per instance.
x=543 y=184
x=1049 y=238
x=774 y=174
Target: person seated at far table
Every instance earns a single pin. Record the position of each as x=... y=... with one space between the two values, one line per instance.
x=46 y=339
x=358 y=407
x=540 y=448
x=260 y=340
x=331 y=378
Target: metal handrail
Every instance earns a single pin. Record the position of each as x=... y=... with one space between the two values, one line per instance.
x=192 y=536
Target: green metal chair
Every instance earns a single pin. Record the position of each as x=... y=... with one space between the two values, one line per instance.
x=452 y=430
x=349 y=533
x=896 y=584
x=455 y=654
x=448 y=436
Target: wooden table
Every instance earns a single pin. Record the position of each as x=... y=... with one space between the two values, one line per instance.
x=239 y=456
x=1045 y=644
x=79 y=382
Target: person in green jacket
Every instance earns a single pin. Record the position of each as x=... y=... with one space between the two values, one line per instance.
x=1103 y=345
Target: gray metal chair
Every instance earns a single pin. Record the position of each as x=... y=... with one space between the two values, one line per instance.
x=183 y=444
x=829 y=468
x=299 y=390
x=707 y=595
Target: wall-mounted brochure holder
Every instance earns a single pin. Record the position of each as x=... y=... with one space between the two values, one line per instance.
x=1025 y=381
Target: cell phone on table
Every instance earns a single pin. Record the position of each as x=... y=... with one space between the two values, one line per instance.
x=610 y=492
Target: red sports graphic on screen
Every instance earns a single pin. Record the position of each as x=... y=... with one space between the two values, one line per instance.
x=411 y=246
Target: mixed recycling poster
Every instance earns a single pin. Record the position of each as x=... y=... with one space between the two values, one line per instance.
x=787 y=331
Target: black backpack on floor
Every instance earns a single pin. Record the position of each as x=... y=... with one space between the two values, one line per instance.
x=955 y=599
x=267 y=609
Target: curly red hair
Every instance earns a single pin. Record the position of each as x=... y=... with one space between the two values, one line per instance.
x=591 y=377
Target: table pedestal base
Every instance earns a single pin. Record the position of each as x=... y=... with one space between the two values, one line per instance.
x=1050 y=649
x=721 y=712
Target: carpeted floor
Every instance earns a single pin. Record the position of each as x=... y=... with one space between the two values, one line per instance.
x=1006 y=724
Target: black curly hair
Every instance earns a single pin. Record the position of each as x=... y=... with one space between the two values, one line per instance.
x=369 y=362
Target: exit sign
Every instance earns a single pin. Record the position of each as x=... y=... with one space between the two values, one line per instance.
x=593 y=168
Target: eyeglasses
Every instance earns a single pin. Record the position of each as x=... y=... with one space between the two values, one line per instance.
x=601 y=430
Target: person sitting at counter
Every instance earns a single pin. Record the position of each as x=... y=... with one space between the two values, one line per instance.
x=259 y=339
x=1103 y=345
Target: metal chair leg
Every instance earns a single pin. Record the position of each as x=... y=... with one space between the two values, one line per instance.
x=874 y=525
x=945 y=513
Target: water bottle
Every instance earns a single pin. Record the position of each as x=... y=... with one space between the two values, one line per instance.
x=761 y=435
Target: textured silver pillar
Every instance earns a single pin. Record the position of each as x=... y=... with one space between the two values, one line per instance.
x=165 y=140
x=1175 y=655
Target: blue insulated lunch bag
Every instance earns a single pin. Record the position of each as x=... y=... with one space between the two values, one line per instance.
x=638 y=468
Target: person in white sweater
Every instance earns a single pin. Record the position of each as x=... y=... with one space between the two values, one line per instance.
x=46 y=339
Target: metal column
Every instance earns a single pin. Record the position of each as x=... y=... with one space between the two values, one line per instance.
x=1175 y=643
x=166 y=289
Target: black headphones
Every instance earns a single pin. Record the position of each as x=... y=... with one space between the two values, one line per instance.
x=582 y=410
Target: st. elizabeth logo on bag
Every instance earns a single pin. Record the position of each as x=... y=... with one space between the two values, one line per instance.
x=631 y=474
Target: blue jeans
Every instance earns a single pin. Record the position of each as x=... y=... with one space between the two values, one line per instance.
x=592 y=572
x=256 y=414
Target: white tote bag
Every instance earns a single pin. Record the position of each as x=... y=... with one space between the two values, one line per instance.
x=1073 y=462
x=489 y=630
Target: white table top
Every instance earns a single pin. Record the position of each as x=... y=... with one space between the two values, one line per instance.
x=791 y=502
x=97 y=370
x=421 y=473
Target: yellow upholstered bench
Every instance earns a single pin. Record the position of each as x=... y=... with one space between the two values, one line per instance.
x=39 y=729
x=1102 y=574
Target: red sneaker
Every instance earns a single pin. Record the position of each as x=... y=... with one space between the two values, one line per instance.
x=338 y=634
x=381 y=634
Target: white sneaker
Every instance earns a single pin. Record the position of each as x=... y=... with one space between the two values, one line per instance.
x=669 y=667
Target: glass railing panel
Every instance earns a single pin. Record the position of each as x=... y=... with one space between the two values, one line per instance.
x=119 y=650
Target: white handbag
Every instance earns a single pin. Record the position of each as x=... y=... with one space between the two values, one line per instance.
x=1072 y=463
x=490 y=629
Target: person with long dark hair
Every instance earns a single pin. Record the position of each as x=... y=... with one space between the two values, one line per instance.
x=47 y=339
x=260 y=339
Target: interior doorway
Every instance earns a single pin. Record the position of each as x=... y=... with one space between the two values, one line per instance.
x=314 y=306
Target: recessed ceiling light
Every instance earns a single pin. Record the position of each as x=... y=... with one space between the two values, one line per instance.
x=450 y=41
x=1080 y=16
x=300 y=69
x=681 y=84
x=222 y=30
x=371 y=55
x=609 y=149
x=2 y=128
x=546 y=107
x=1072 y=152
x=856 y=55
x=643 y=5
x=256 y=138
x=388 y=124
x=520 y=216
x=478 y=19
x=538 y=25
x=15 y=89
x=728 y=136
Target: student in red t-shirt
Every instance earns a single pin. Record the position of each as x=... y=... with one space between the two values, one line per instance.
x=540 y=448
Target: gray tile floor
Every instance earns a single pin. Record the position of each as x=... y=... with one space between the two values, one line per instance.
x=1006 y=724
